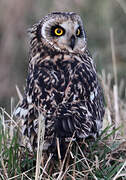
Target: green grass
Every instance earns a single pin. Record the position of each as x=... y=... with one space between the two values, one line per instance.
x=101 y=159
x=14 y=158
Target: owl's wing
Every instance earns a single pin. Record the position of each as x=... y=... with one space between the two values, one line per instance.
x=36 y=99
x=37 y=91
x=82 y=111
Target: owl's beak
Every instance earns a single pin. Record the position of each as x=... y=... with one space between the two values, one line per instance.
x=72 y=41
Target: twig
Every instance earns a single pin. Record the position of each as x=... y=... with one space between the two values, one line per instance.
x=61 y=170
x=87 y=163
x=113 y=54
x=117 y=175
x=27 y=176
x=43 y=169
x=19 y=93
x=58 y=149
x=115 y=88
x=9 y=116
x=67 y=165
x=41 y=132
x=20 y=174
x=5 y=171
x=74 y=165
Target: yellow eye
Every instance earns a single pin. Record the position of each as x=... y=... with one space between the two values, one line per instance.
x=78 y=32
x=58 y=31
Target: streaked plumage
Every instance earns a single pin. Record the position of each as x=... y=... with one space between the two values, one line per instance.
x=62 y=83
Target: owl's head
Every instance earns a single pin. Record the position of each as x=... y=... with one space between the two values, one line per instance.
x=62 y=31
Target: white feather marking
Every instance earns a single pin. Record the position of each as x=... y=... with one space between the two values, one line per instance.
x=96 y=92
x=29 y=99
x=34 y=58
x=17 y=111
x=54 y=75
x=75 y=96
x=30 y=106
x=23 y=112
x=92 y=96
x=99 y=124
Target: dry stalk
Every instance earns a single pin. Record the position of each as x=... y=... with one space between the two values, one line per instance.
x=113 y=55
x=60 y=177
x=97 y=162
x=11 y=129
x=44 y=169
x=4 y=112
x=58 y=149
x=27 y=176
x=74 y=165
x=67 y=165
x=19 y=93
x=87 y=162
x=118 y=173
x=22 y=174
x=40 y=143
x=106 y=81
x=115 y=88
x=4 y=168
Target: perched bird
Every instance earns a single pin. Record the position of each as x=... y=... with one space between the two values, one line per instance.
x=62 y=83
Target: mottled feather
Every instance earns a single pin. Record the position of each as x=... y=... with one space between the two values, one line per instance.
x=62 y=84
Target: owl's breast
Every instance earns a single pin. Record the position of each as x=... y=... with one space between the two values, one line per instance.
x=47 y=83
x=61 y=81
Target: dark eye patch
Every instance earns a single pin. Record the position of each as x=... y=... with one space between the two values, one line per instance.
x=53 y=28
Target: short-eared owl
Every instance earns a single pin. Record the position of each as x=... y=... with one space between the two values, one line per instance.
x=62 y=83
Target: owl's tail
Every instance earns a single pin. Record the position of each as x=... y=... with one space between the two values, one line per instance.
x=58 y=148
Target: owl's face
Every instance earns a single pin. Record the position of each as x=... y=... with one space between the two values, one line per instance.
x=63 y=31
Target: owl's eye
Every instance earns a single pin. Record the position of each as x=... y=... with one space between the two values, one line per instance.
x=58 y=31
x=78 y=32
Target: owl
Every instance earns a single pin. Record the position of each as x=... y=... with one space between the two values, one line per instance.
x=62 y=83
